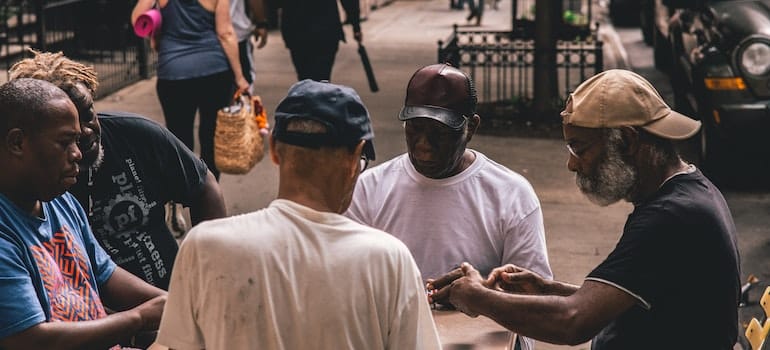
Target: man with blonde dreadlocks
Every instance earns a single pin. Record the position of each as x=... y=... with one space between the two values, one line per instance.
x=131 y=167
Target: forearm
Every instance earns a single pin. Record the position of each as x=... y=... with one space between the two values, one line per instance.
x=230 y=46
x=547 y=318
x=227 y=38
x=95 y=334
x=560 y=288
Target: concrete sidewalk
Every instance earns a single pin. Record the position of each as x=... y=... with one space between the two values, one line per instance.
x=400 y=38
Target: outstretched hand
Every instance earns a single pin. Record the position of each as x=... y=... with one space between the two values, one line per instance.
x=457 y=288
x=513 y=279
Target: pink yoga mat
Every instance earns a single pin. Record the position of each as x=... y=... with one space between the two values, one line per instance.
x=148 y=23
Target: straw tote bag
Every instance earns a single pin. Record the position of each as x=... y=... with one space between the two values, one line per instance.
x=238 y=137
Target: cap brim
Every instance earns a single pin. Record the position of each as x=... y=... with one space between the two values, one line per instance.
x=447 y=117
x=674 y=126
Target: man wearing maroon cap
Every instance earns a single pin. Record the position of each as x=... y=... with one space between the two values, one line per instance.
x=448 y=203
x=619 y=135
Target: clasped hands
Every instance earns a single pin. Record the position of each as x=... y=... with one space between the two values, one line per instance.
x=464 y=287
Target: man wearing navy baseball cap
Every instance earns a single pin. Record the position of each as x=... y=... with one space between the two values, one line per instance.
x=298 y=273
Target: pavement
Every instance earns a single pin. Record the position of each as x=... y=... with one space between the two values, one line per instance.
x=400 y=38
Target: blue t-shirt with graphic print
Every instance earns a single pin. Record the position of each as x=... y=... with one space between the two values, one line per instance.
x=51 y=268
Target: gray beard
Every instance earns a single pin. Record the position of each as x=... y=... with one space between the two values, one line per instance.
x=614 y=179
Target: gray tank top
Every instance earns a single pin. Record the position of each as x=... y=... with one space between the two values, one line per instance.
x=188 y=45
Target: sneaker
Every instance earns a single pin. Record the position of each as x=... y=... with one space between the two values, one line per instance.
x=175 y=220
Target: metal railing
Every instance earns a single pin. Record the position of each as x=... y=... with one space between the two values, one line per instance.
x=501 y=63
x=93 y=32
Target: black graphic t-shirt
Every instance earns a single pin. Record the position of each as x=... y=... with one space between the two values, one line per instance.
x=144 y=167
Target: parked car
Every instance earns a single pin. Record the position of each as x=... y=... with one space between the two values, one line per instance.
x=717 y=56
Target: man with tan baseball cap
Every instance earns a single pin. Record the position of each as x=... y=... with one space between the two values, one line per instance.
x=619 y=135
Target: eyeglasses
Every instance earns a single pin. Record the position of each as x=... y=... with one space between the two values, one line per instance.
x=583 y=148
x=572 y=151
x=363 y=163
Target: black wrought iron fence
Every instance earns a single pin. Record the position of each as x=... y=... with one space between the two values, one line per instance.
x=94 y=32
x=501 y=63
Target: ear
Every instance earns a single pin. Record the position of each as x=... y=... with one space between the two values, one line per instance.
x=273 y=154
x=14 y=141
x=631 y=141
x=357 y=152
x=473 y=126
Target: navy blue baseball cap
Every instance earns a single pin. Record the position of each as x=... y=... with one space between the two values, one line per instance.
x=337 y=107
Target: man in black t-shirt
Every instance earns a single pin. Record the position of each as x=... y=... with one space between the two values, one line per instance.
x=131 y=167
x=619 y=135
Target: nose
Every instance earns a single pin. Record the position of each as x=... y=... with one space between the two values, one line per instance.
x=572 y=163
x=422 y=149
x=75 y=154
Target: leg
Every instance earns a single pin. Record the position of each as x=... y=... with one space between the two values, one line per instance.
x=178 y=108
x=299 y=57
x=473 y=10
x=479 y=12
x=324 y=62
x=314 y=61
x=214 y=93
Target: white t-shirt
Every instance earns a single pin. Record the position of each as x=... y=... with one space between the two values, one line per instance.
x=486 y=215
x=240 y=19
x=290 y=277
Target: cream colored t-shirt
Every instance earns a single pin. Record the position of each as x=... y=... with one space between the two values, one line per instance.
x=289 y=277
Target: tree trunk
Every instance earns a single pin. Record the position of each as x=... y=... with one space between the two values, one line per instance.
x=547 y=24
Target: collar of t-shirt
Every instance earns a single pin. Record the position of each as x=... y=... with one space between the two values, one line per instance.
x=477 y=164
x=690 y=169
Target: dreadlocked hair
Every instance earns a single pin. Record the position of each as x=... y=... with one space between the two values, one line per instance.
x=55 y=68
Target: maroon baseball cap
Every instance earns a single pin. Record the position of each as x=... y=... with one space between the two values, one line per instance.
x=442 y=93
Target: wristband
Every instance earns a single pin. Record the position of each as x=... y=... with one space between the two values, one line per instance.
x=261 y=24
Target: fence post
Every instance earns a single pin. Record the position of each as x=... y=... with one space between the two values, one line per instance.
x=143 y=57
x=599 y=54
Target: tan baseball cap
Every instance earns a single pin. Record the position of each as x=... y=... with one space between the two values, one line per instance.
x=618 y=97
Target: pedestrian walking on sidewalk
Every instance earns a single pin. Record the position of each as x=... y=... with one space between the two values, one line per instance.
x=620 y=137
x=297 y=274
x=131 y=167
x=198 y=64
x=249 y=21
x=312 y=31
x=476 y=8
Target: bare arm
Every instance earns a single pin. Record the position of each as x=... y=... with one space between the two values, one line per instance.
x=103 y=333
x=226 y=36
x=210 y=204
x=141 y=7
x=259 y=18
x=571 y=319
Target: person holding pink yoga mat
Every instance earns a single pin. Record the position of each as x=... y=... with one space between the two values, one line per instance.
x=198 y=65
